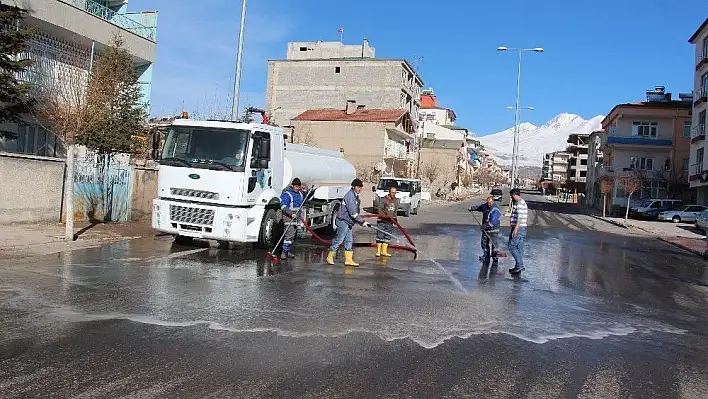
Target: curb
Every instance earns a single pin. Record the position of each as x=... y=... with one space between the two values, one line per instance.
x=618 y=224
x=685 y=248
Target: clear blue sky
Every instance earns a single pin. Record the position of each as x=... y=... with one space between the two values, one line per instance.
x=598 y=53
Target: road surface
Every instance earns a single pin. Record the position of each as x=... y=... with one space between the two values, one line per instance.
x=598 y=314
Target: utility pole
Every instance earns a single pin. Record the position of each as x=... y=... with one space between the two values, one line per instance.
x=239 y=62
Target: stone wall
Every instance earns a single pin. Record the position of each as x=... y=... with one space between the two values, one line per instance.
x=32 y=188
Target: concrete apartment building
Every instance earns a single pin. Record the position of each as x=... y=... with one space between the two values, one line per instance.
x=652 y=137
x=325 y=75
x=578 y=161
x=547 y=169
x=70 y=34
x=698 y=179
x=367 y=137
x=560 y=162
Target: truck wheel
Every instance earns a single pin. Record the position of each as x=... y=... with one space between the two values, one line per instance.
x=415 y=210
x=183 y=240
x=266 y=236
x=332 y=228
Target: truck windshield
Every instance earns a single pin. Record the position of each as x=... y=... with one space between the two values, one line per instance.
x=205 y=147
x=402 y=186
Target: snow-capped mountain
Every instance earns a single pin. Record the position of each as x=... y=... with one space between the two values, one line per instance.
x=535 y=141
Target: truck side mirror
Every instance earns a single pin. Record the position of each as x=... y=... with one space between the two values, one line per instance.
x=156 y=138
x=155 y=154
x=264 y=150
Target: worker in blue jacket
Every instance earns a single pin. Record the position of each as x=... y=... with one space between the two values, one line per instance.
x=290 y=202
x=491 y=220
x=347 y=217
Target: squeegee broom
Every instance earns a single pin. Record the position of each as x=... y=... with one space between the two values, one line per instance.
x=269 y=255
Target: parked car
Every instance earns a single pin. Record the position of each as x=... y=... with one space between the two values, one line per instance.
x=684 y=213
x=702 y=222
x=497 y=194
x=651 y=208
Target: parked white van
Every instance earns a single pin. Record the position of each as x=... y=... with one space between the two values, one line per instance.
x=409 y=191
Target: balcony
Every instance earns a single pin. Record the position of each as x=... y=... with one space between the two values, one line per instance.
x=701 y=59
x=701 y=95
x=698 y=133
x=121 y=20
x=397 y=151
x=638 y=141
x=695 y=171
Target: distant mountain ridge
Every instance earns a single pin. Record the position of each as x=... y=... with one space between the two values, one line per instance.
x=535 y=141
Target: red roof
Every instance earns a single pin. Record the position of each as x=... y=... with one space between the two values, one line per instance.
x=360 y=115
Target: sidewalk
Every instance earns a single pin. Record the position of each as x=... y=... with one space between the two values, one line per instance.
x=24 y=240
x=694 y=245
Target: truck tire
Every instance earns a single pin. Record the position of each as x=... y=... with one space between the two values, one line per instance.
x=332 y=228
x=266 y=237
x=183 y=240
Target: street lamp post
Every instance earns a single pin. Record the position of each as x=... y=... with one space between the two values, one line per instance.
x=517 y=142
x=516 y=113
x=239 y=62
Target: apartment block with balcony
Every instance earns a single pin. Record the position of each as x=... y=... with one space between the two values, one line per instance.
x=698 y=176
x=578 y=162
x=324 y=75
x=546 y=170
x=652 y=137
x=70 y=34
x=560 y=166
x=366 y=137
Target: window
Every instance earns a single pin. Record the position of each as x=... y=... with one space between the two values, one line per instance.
x=685 y=164
x=583 y=173
x=687 y=129
x=337 y=69
x=303 y=48
x=645 y=129
x=695 y=208
x=705 y=48
x=204 y=147
x=641 y=163
x=699 y=156
x=583 y=161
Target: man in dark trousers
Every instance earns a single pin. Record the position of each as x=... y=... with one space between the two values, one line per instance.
x=348 y=216
x=491 y=219
x=290 y=202
x=388 y=207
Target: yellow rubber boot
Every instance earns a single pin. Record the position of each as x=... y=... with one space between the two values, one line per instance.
x=384 y=250
x=330 y=257
x=349 y=259
x=378 y=249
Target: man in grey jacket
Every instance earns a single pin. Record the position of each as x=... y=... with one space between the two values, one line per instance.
x=348 y=216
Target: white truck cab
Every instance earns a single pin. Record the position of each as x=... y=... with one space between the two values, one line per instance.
x=222 y=181
x=408 y=191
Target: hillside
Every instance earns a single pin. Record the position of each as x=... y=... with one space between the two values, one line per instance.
x=535 y=141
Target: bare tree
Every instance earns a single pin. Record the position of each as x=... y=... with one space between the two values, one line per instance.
x=430 y=170
x=630 y=182
x=367 y=171
x=485 y=177
x=606 y=186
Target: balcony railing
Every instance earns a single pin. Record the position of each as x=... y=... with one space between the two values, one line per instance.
x=698 y=133
x=397 y=150
x=695 y=171
x=701 y=58
x=701 y=95
x=113 y=17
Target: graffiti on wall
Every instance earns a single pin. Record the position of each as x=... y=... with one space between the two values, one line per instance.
x=102 y=187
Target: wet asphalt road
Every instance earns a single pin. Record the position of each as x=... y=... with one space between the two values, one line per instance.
x=596 y=315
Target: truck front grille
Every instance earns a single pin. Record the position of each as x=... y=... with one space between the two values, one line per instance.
x=189 y=215
x=188 y=192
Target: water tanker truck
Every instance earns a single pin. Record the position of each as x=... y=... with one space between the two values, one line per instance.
x=223 y=180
